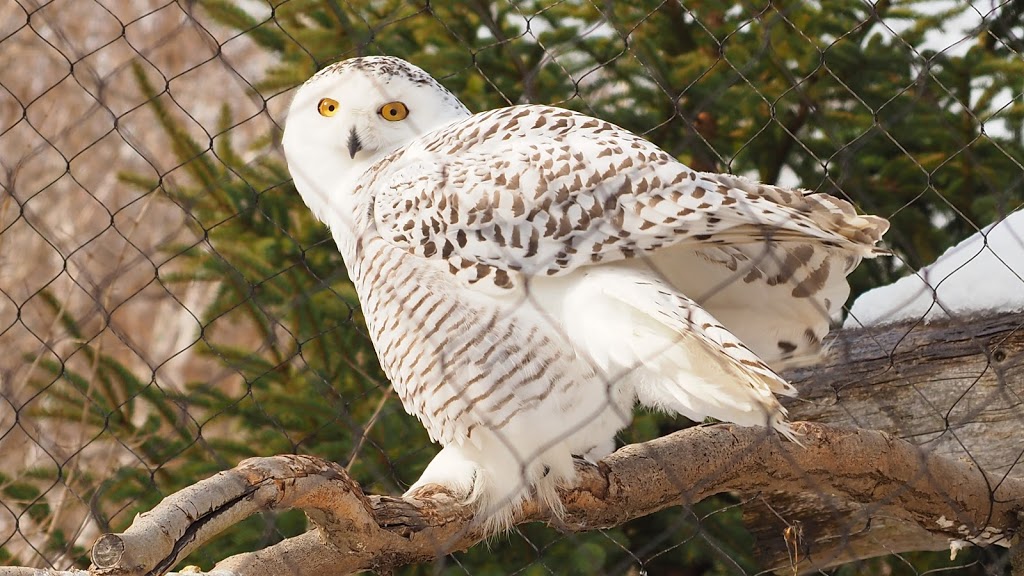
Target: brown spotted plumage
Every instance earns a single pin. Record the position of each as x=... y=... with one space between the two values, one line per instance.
x=527 y=274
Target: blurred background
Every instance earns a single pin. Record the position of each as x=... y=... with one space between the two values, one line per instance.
x=168 y=307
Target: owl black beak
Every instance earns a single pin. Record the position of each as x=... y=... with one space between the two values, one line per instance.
x=354 y=145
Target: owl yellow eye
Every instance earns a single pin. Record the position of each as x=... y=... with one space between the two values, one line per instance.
x=327 y=107
x=394 y=111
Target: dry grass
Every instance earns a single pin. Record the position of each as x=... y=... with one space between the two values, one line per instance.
x=71 y=119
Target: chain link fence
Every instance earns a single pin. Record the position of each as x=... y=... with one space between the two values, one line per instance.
x=168 y=307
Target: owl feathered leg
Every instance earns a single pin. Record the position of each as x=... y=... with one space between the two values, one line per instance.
x=450 y=469
x=495 y=478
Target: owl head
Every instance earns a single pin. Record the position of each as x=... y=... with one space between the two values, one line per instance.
x=353 y=113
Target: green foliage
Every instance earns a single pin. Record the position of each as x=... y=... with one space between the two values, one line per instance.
x=819 y=91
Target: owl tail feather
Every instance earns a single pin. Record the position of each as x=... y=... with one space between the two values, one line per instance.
x=680 y=358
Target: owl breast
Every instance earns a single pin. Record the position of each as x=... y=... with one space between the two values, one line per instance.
x=469 y=365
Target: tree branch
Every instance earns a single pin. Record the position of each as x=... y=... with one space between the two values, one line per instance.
x=947 y=498
x=953 y=391
x=954 y=388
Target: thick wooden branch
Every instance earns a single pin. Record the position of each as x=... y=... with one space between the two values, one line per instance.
x=944 y=497
x=949 y=395
x=954 y=388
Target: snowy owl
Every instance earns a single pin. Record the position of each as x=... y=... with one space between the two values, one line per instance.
x=528 y=274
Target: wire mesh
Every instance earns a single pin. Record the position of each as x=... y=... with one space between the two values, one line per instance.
x=169 y=307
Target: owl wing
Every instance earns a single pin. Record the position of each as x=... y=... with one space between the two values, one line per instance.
x=536 y=190
x=532 y=191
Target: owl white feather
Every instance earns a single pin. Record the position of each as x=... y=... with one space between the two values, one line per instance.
x=528 y=274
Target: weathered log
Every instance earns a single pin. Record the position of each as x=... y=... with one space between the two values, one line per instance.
x=947 y=498
x=953 y=388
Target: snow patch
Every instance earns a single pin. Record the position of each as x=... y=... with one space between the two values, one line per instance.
x=982 y=274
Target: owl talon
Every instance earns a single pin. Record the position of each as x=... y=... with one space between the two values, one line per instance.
x=583 y=461
x=431 y=492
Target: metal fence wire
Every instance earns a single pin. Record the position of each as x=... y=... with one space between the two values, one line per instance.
x=169 y=307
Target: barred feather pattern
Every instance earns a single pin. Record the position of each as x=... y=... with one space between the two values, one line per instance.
x=528 y=274
x=481 y=376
